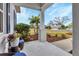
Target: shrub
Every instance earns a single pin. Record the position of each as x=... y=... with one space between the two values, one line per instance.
x=69 y=33
x=48 y=27
x=23 y=29
x=56 y=35
x=64 y=36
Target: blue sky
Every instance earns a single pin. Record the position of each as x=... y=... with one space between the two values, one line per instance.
x=55 y=10
x=23 y=16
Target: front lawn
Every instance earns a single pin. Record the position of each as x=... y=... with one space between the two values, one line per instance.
x=59 y=33
x=52 y=35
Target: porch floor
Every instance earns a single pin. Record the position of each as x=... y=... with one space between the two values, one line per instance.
x=36 y=48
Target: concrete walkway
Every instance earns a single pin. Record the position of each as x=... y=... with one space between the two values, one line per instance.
x=65 y=44
x=36 y=48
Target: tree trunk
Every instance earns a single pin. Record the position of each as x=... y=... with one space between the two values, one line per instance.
x=34 y=31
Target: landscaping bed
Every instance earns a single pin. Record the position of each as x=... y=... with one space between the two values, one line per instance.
x=56 y=38
x=50 y=38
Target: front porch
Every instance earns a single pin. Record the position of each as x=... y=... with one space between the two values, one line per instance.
x=42 y=47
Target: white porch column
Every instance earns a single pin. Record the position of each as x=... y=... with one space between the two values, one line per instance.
x=4 y=18
x=42 y=31
x=75 y=29
x=11 y=18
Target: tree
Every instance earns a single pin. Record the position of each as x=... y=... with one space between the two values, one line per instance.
x=34 y=21
x=60 y=21
x=48 y=27
x=70 y=25
x=63 y=27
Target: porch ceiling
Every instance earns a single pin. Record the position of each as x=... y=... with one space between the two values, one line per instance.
x=30 y=5
x=36 y=6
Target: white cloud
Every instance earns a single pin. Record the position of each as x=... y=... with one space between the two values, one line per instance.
x=52 y=12
x=66 y=12
x=60 y=11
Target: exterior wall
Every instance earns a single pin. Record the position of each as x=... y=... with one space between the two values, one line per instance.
x=12 y=8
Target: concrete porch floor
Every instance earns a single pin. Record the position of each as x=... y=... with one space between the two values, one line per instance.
x=36 y=48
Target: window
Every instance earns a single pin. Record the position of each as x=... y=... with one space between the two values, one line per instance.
x=8 y=17
x=1 y=6
x=1 y=22
x=15 y=19
x=1 y=18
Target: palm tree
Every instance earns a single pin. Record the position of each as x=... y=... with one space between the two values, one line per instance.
x=34 y=21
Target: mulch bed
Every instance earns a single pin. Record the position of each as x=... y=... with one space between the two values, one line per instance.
x=49 y=38
x=33 y=37
x=55 y=38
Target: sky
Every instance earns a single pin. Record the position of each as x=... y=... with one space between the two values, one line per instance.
x=55 y=10
x=25 y=14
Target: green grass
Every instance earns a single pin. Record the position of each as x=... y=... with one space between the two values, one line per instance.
x=58 y=33
x=31 y=32
x=52 y=33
